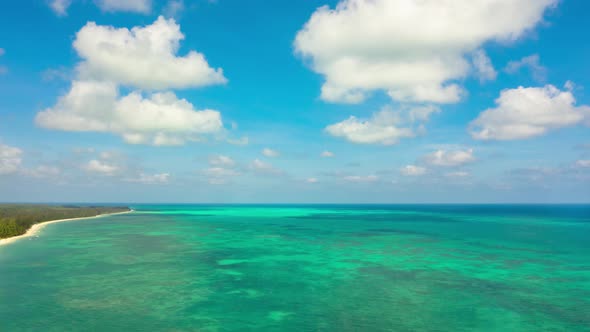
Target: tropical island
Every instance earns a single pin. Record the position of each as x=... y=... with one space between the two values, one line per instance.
x=17 y=219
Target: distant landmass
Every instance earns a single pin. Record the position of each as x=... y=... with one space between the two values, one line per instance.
x=16 y=219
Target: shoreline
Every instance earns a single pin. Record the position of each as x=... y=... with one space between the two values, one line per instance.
x=34 y=230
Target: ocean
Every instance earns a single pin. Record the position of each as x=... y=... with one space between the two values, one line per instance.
x=304 y=268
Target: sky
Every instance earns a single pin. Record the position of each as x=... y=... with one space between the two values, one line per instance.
x=316 y=101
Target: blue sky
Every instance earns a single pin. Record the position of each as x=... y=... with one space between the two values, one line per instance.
x=228 y=101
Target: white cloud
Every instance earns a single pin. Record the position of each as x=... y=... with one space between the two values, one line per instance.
x=88 y=106
x=483 y=66
x=119 y=167
x=260 y=166
x=239 y=141
x=361 y=179
x=136 y=6
x=101 y=167
x=220 y=172
x=160 y=119
x=381 y=128
x=327 y=154
x=413 y=170
x=109 y=155
x=80 y=150
x=111 y=166
x=60 y=7
x=3 y=69
x=413 y=50
x=312 y=180
x=449 y=94
x=10 y=159
x=532 y=63
x=422 y=113
x=220 y=160
x=527 y=112
x=143 y=57
x=458 y=174
x=270 y=153
x=220 y=175
x=583 y=163
x=144 y=178
x=52 y=74
x=450 y=158
x=173 y=8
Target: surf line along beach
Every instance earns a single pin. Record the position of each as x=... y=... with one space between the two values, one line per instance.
x=36 y=228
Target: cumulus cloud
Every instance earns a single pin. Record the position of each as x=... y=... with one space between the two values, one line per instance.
x=450 y=158
x=312 y=180
x=53 y=74
x=161 y=178
x=60 y=7
x=3 y=69
x=101 y=167
x=10 y=159
x=458 y=174
x=222 y=169
x=415 y=51
x=569 y=85
x=532 y=63
x=327 y=154
x=382 y=128
x=239 y=141
x=160 y=119
x=262 y=167
x=413 y=170
x=143 y=57
x=360 y=178
x=136 y=6
x=583 y=163
x=173 y=8
x=483 y=66
x=528 y=112
x=117 y=166
x=422 y=113
x=222 y=161
x=83 y=150
x=220 y=172
x=220 y=175
x=270 y=153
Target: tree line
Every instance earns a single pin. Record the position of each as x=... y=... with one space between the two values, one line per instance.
x=16 y=219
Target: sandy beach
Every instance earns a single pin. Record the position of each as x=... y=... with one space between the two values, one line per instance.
x=34 y=230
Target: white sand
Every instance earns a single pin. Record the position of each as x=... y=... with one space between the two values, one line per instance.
x=34 y=230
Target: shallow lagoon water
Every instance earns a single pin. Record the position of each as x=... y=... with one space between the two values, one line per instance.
x=304 y=268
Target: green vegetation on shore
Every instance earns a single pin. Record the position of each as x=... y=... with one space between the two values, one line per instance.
x=16 y=219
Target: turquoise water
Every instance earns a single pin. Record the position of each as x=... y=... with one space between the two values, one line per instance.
x=304 y=268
